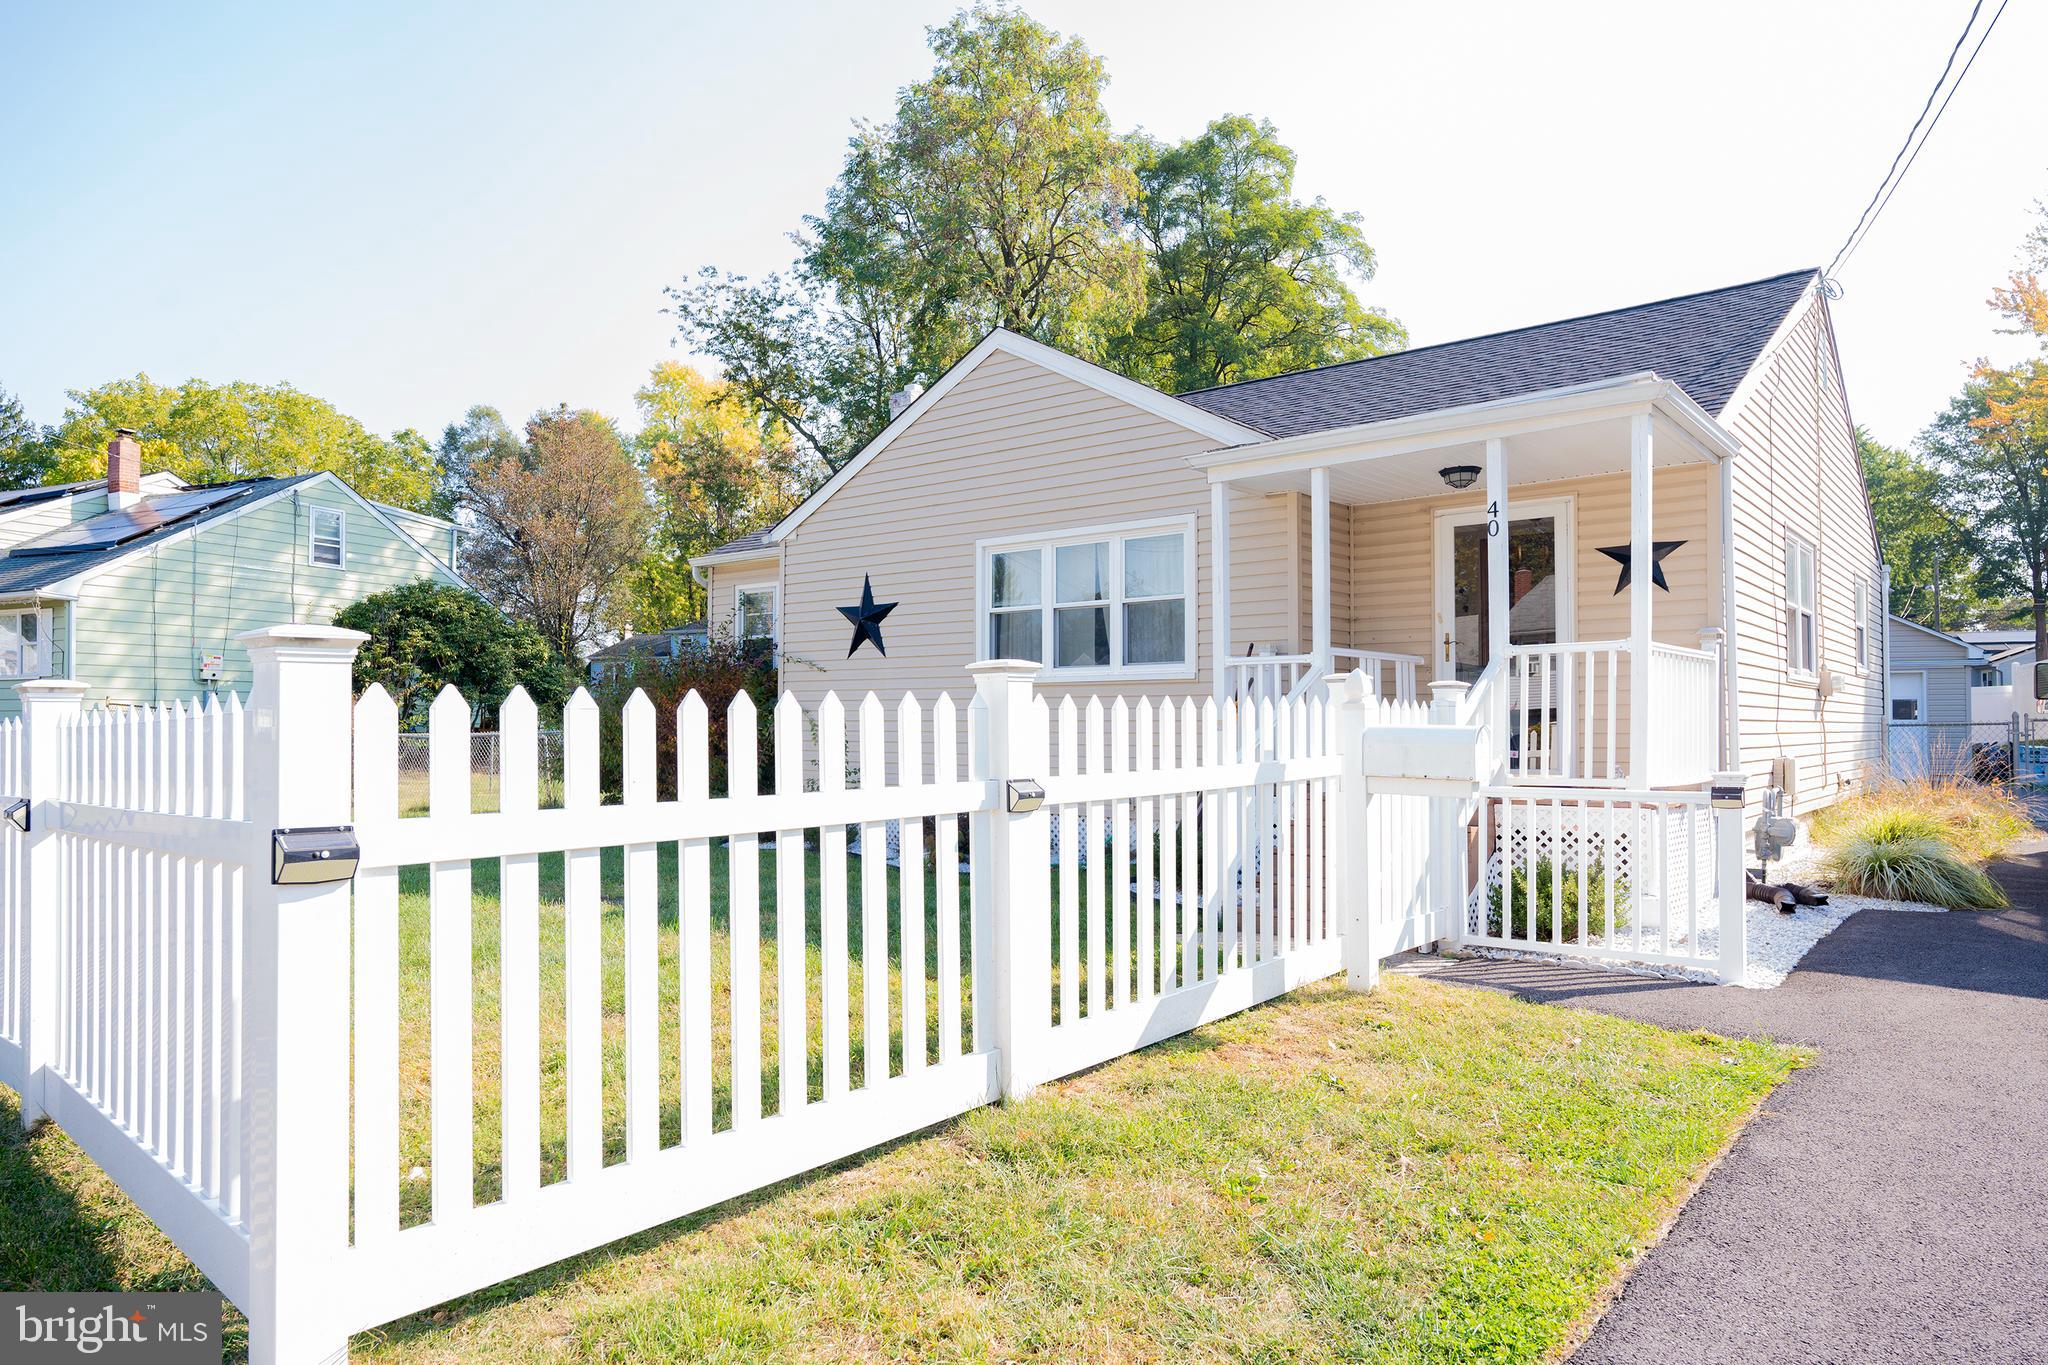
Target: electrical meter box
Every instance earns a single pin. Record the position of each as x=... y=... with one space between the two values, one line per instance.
x=212 y=667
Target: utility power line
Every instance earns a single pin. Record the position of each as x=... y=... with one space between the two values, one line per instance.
x=1909 y=150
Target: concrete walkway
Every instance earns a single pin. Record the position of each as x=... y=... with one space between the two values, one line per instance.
x=1891 y=1202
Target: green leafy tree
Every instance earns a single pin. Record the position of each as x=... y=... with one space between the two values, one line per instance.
x=1933 y=561
x=556 y=527
x=25 y=454
x=1991 y=448
x=1243 y=280
x=480 y=435
x=426 y=636
x=211 y=433
x=997 y=196
x=998 y=193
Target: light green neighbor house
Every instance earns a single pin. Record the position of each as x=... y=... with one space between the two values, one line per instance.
x=137 y=586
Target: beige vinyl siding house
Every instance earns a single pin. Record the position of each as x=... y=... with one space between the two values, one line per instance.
x=1799 y=483
x=1747 y=440
x=1069 y=459
x=139 y=621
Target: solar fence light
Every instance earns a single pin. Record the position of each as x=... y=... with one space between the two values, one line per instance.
x=307 y=857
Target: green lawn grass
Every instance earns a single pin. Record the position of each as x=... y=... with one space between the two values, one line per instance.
x=1426 y=1173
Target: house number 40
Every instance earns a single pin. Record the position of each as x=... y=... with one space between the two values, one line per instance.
x=1492 y=519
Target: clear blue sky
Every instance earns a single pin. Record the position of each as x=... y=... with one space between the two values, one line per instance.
x=407 y=213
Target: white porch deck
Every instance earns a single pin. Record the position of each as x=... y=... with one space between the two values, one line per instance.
x=1560 y=713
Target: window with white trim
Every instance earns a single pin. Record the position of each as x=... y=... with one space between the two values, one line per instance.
x=24 y=644
x=327 y=537
x=1800 y=637
x=1113 y=601
x=753 y=611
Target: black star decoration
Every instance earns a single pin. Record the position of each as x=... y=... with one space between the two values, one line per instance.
x=1658 y=549
x=867 y=618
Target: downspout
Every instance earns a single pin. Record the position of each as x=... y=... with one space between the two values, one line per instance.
x=1731 y=683
x=1884 y=713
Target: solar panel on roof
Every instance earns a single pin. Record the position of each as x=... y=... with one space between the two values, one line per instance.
x=23 y=497
x=85 y=537
x=112 y=529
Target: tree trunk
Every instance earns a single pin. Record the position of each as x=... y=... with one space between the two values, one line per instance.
x=2040 y=594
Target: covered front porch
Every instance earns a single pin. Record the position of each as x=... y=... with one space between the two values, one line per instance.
x=1598 y=515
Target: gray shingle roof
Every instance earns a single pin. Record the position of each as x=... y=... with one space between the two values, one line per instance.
x=653 y=643
x=1702 y=342
x=26 y=573
x=752 y=540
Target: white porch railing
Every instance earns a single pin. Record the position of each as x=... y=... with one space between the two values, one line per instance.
x=1266 y=677
x=1565 y=707
x=1568 y=710
x=1262 y=677
x=1685 y=737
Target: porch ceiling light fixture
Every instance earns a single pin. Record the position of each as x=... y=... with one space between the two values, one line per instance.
x=1459 y=475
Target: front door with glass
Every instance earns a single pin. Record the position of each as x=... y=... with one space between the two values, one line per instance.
x=1539 y=610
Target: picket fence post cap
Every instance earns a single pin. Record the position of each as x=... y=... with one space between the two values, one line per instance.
x=58 y=688
x=1025 y=668
x=302 y=637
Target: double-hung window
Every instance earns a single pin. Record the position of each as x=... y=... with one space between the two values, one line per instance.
x=1103 y=602
x=753 y=612
x=1800 y=639
x=24 y=644
x=327 y=537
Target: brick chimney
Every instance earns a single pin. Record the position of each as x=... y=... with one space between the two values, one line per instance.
x=124 y=469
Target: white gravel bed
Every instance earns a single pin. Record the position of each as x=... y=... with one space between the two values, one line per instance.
x=1776 y=942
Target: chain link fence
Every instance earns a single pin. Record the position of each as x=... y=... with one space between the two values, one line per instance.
x=485 y=767
x=1951 y=751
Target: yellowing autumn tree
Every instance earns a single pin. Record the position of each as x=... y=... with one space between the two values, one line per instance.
x=719 y=468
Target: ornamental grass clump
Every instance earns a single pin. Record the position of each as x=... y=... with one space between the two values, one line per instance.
x=1905 y=856
x=1978 y=823
x=1922 y=841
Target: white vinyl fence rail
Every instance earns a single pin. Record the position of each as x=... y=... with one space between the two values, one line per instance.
x=349 y=1099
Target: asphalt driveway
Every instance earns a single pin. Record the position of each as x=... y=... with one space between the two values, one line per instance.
x=1891 y=1203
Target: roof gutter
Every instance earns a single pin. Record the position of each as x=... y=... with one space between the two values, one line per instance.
x=1476 y=421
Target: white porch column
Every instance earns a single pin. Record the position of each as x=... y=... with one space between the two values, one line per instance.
x=1642 y=568
x=1319 y=571
x=1497 y=638
x=1219 y=585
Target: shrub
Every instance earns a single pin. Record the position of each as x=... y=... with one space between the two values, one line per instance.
x=717 y=671
x=1895 y=858
x=425 y=636
x=1579 y=928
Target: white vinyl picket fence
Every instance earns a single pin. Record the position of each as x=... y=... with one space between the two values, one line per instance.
x=350 y=1100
